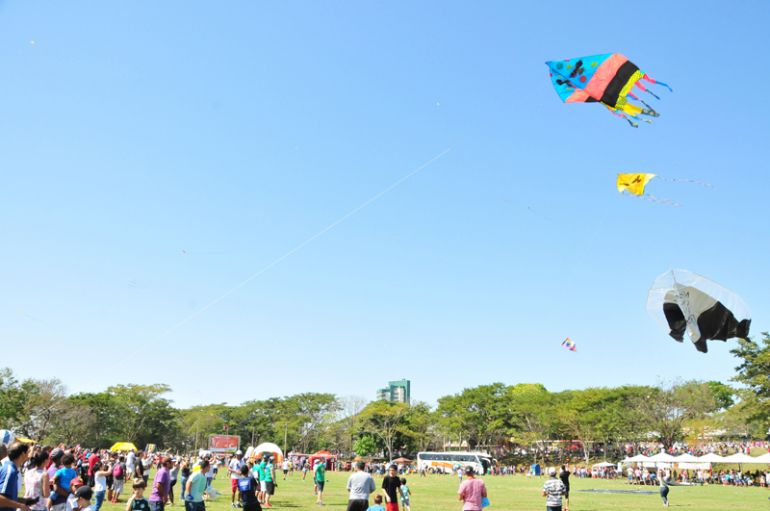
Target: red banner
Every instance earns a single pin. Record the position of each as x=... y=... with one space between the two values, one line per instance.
x=224 y=443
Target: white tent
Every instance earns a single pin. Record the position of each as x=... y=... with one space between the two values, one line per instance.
x=744 y=459
x=688 y=461
x=639 y=458
x=603 y=464
x=765 y=458
x=711 y=458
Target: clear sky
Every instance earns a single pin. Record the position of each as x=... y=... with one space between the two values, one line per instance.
x=155 y=155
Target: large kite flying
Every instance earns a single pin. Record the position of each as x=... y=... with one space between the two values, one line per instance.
x=685 y=302
x=608 y=79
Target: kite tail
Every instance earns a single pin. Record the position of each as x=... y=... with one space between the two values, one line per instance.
x=645 y=89
x=648 y=78
x=624 y=116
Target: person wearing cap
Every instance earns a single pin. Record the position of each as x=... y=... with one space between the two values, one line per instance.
x=472 y=491
x=161 y=486
x=234 y=469
x=10 y=476
x=71 y=503
x=391 y=488
x=553 y=489
x=83 y=496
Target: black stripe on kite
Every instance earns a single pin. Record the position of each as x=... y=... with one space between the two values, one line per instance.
x=612 y=92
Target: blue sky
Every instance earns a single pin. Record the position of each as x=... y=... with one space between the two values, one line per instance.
x=157 y=154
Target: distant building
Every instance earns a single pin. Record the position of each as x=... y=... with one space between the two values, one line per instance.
x=396 y=392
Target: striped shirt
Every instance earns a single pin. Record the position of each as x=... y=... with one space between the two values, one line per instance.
x=554 y=489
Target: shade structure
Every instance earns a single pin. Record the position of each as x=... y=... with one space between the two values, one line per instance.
x=662 y=457
x=268 y=447
x=603 y=464
x=402 y=460
x=744 y=459
x=639 y=458
x=711 y=458
x=687 y=458
x=123 y=446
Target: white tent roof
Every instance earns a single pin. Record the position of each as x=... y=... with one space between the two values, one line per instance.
x=639 y=458
x=687 y=458
x=711 y=458
x=765 y=458
x=603 y=464
x=662 y=457
x=744 y=459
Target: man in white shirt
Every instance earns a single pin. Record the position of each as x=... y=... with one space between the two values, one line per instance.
x=360 y=486
x=234 y=469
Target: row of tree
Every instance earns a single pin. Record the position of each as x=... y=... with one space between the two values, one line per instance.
x=496 y=417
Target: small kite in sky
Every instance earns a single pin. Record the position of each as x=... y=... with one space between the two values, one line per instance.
x=608 y=79
x=687 y=303
x=569 y=344
x=633 y=183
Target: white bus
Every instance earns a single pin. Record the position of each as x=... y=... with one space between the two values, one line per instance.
x=449 y=461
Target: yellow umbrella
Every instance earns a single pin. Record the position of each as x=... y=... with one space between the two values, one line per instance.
x=25 y=440
x=123 y=446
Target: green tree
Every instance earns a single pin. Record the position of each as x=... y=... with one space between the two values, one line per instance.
x=754 y=372
x=366 y=445
x=384 y=419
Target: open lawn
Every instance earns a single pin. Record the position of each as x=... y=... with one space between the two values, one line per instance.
x=438 y=493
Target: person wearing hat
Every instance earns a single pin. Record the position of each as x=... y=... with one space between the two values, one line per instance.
x=472 y=491
x=83 y=496
x=553 y=490
x=234 y=469
x=71 y=503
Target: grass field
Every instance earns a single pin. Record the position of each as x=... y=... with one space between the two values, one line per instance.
x=517 y=493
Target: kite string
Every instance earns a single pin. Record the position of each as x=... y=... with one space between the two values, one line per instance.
x=309 y=240
x=686 y=181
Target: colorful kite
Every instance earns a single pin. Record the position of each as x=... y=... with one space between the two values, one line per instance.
x=633 y=183
x=569 y=344
x=608 y=79
x=685 y=302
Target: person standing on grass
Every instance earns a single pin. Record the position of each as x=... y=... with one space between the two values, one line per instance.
x=285 y=467
x=248 y=488
x=553 y=490
x=195 y=488
x=360 y=486
x=118 y=478
x=664 y=484
x=319 y=477
x=269 y=481
x=391 y=488
x=234 y=469
x=471 y=491
x=161 y=486
x=564 y=476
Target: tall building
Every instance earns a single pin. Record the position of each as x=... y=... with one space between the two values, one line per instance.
x=397 y=391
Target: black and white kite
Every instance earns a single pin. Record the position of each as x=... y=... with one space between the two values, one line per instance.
x=685 y=302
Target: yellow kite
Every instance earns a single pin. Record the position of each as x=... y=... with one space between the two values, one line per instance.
x=634 y=183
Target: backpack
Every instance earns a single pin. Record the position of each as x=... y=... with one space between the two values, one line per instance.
x=118 y=470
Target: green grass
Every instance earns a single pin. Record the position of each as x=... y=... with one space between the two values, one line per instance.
x=519 y=493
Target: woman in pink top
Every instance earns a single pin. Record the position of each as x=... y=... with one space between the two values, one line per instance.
x=471 y=491
x=36 y=483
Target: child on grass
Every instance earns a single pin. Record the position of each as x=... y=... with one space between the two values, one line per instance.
x=405 y=493
x=377 y=504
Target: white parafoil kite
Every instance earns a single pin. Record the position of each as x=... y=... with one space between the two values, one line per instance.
x=685 y=302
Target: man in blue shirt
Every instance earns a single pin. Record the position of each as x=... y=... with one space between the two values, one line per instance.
x=9 y=478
